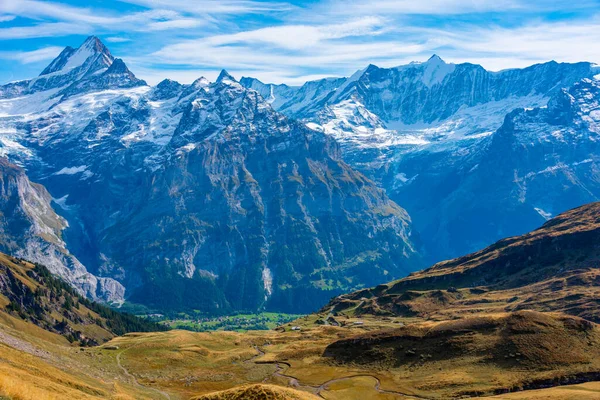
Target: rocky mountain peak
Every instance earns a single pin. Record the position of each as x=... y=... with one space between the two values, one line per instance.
x=91 y=56
x=225 y=77
x=118 y=67
x=435 y=59
x=167 y=89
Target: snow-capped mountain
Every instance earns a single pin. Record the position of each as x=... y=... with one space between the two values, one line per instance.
x=418 y=129
x=84 y=66
x=540 y=162
x=198 y=195
x=240 y=195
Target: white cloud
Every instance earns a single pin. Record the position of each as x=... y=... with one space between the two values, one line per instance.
x=447 y=7
x=431 y=7
x=6 y=18
x=182 y=23
x=302 y=36
x=202 y=7
x=28 y=57
x=117 y=39
x=67 y=20
x=44 y=30
x=288 y=46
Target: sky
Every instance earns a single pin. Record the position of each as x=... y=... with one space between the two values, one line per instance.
x=295 y=41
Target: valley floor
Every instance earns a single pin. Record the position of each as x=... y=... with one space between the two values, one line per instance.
x=181 y=364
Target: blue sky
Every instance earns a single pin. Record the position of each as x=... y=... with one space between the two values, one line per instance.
x=294 y=41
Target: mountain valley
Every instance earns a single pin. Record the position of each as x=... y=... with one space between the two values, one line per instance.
x=511 y=327
x=275 y=197
x=283 y=231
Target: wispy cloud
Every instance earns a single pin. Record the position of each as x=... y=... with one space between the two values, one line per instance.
x=52 y=29
x=448 y=7
x=28 y=57
x=202 y=7
x=286 y=46
x=117 y=39
x=181 y=23
x=429 y=7
x=286 y=41
x=67 y=20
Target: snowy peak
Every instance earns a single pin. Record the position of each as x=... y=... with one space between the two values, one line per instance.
x=91 y=56
x=60 y=61
x=118 y=67
x=225 y=77
x=435 y=59
x=167 y=89
x=436 y=70
x=198 y=84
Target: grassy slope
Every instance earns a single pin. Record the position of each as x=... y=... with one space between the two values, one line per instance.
x=39 y=359
x=258 y=392
x=554 y=268
x=423 y=343
x=29 y=293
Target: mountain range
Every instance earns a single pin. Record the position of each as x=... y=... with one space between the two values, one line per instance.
x=227 y=195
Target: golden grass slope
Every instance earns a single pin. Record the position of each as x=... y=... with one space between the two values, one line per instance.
x=30 y=377
x=502 y=322
x=258 y=392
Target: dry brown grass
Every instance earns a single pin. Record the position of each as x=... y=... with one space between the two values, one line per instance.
x=258 y=392
x=15 y=389
x=420 y=340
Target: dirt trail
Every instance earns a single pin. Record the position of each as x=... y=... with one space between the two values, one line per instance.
x=318 y=389
x=134 y=379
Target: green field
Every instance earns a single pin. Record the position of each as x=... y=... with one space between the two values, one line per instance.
x=238 y=323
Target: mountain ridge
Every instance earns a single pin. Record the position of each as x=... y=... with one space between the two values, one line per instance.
x=219 y=172
x=553 y=268
x=106 y=143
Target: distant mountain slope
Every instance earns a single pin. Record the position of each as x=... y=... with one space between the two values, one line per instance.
x=29 y=292
x=200 y=195
x=257 y=207
x=554 y=268
x=422 y=131
x=31 y=229
x=540 y=162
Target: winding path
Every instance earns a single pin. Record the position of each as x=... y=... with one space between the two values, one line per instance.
x=134 y=379
x=317 y=389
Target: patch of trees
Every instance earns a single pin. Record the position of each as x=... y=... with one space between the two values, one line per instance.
x=55 y=295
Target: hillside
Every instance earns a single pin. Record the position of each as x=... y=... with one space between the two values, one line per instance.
x=31 y=294
x=419 y=337
x=554 y=268
x=258 y=392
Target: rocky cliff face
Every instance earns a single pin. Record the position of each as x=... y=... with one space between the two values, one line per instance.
x=202 y=195
x=424 y=131
x=32 y=230
x=258 y=208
